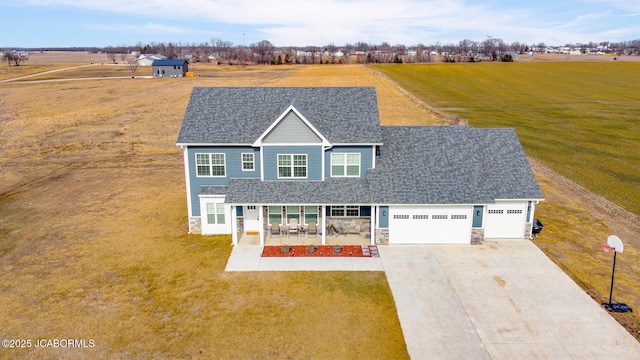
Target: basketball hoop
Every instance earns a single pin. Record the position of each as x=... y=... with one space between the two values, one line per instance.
x=614 y=245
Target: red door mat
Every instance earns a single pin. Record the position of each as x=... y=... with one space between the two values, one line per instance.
x=320 y=250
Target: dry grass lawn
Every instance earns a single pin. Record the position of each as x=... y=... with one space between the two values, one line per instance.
x=93 y=241
x=94 y=245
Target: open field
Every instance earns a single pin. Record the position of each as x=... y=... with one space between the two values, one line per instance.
x=579 y=118
x=581 y=125
x=93 y=233
x=93 y=227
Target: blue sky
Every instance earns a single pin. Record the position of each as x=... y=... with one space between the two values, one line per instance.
x=79 y=23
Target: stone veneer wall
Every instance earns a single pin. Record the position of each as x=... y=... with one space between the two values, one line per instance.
x=382 y=236
x=477 y=236
x=527 y=230
x=240 y=223
x=195 y=225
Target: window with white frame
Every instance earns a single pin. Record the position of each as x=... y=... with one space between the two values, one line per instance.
x=348 y=210
x=343 y=164
x=292 y=166
x=310 y=214
x=210 y=165
x=293 y=212
x=215 y=213
x=275 y=214
x=247 y=162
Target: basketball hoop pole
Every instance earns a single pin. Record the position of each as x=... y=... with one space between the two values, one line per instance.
x=614 y=244
x=612 y=274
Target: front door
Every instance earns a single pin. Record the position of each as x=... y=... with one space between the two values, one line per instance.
x=251 y=218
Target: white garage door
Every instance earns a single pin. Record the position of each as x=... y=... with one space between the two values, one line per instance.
x=505 y=221
x=430 y=225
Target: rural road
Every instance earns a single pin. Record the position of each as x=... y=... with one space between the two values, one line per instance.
x=71 y=79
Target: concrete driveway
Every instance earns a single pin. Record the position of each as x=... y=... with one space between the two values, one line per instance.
x=500 y=300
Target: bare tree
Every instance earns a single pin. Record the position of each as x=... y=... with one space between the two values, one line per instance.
x=16 y=57
x=133 y=66
x=263 y=50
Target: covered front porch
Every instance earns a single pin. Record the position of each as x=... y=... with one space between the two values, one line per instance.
x=303 y=239
x=303 y=224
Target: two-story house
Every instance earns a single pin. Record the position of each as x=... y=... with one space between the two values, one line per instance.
x=257 y=156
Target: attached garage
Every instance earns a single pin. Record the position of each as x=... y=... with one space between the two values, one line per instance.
x=430 y=224
x=505 y=220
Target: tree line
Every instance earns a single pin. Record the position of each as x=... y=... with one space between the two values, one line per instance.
x=264 y=52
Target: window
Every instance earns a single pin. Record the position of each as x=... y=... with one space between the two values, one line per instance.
x=275 y=214
x=292 y=166
x=401 y=217
x=247 y=162
x=310 y=214
x=215 y=213
x=439 y=217
x=349 y=210
x=210 y=165
x=458 y=217
x=420 y=217
x=293 y=212
x=345 y=165
x=496 y=211
x=514 y=211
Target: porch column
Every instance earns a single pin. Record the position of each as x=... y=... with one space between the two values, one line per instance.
x=323 y=213
x=373 y=224
x=260 y=219
x=234 y=225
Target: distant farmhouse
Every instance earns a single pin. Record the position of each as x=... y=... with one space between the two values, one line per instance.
x=148 y=59
x=170 y=68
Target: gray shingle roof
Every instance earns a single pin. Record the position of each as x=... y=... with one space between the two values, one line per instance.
x=239 y=115
x=417 y=165
x=451 y=165
x=168 y=62
x=330 y=191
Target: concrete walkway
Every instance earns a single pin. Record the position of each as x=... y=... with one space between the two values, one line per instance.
x=247 y=258
x=500 y=300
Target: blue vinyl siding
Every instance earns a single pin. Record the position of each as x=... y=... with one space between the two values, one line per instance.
x=233 y=169
x=314 y=161
x=366 y=158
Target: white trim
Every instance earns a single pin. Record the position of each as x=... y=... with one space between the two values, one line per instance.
x=293 y=166
x=262 y=163
x=213 y=144
x=323 y=163
x=258 y=141
x=357 y=144
x=344 y=207
x=253 y=161
x=234 y=226
x=211 y=165
x=323 y=212
x=345 y=166
x=261 y=220
x=185 y=150
x=373 y=157
x=374 y=222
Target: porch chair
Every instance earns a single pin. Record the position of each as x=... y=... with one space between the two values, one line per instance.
x=293 y=226
x=312 y=229
x=275 y=228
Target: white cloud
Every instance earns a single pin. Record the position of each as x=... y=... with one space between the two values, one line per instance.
x=306 y=22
